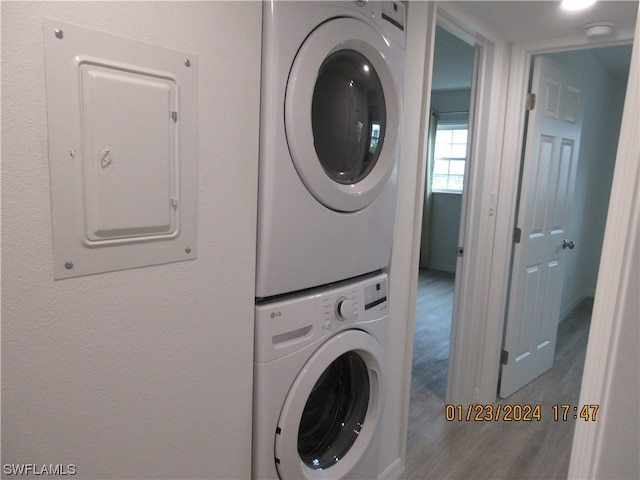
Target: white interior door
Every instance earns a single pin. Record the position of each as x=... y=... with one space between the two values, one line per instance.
x=546 y=189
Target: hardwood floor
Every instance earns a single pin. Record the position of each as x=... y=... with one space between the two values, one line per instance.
x=439 y=449
x=432 y=332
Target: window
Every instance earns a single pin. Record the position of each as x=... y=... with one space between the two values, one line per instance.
x=375 y=138
x=449 y=158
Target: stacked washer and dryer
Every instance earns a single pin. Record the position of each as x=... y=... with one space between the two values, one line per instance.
x=332 y=75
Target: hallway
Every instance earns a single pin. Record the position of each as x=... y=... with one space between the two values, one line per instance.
x=498 y=449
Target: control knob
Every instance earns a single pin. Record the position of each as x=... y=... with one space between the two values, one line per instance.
x=344 y=309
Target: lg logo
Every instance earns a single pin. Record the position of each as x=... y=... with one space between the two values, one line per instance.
x=276 y=314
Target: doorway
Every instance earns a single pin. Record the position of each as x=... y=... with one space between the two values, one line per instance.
x=604 y=73
x=443 y=213
x=434 y=443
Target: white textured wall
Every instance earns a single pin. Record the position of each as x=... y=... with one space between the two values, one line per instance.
x=608 y=447
x=447 y=101
x=603 y=103
x=620 y=433
x=143 y=373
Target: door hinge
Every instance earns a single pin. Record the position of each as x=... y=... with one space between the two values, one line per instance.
x=531 y=101
x=517 y=235
x=504 y=357
x=460 y=251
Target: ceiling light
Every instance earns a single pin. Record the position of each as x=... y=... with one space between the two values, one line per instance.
x=577 y=4
x=598 y=29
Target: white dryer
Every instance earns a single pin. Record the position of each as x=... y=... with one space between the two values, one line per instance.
x=332 y=75
x=319 y=382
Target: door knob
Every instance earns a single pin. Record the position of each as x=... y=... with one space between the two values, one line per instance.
x=570 y=244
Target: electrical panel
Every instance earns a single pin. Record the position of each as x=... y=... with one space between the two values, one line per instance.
x=122 y=121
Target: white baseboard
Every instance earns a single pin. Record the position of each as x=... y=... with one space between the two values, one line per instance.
x=441 y=267
x=573 y=305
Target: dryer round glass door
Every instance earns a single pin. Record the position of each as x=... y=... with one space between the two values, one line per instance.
x=332 y=410
x=342 y=114
x=348 y=116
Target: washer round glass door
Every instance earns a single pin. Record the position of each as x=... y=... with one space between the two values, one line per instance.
x=342 y=114
x=334 y=413
x=332 y=410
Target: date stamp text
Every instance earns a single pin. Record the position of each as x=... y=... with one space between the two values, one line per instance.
x=519 y=413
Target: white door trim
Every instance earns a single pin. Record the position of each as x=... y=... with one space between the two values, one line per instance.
x=421 y=24
x=472 y=288
x=468 y=327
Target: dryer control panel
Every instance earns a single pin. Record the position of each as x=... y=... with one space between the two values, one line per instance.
x=388 y=14
x=289 y=323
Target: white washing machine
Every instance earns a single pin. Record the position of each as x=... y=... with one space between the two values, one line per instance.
x=332 y=75
x=319 y=382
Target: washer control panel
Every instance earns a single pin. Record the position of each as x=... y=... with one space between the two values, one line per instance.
x=286 y=324
x=365 y=300
x=375 y=294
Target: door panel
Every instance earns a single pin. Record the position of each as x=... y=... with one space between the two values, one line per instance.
x=301 y=449
x=548 y=177
x=346 y=87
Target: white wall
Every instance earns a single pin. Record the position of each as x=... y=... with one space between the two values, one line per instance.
x=452 y=62
x=604 y=99
x=143 y=373
x=451 y=100
x=608 y=448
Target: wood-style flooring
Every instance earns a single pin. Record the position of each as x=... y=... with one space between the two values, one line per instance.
x=438 y=449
